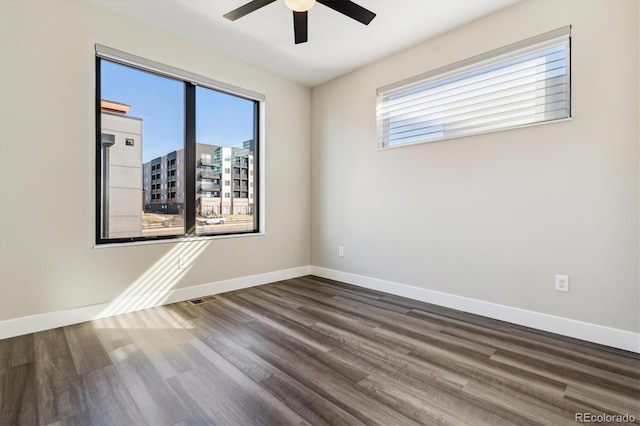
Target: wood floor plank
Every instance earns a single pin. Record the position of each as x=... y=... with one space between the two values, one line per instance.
x=567 y=374
x=16 y=351
x=509 y=342
x=237 y=354
x=307 y=355
x=111 y=333
x=310 y=405
x=530 y=338
x=226 y=402
x=437 y=339
x=208 y=401
x=227 y=314
x=476 y=368
x=403 y=368
x=294 y=315
x=212 y=324
x=108 y=401
x=58 y=386
x=307 y=403
x=433 y=405
x=292 y=298
x=494 y=372
x=18 y=403
x=337 y=285
x=332 y=387
x=605 y=352
x=319 y=310
x=309 y=351
x=159 y=336
x=273 y=299
x=87 y=352
x=181 y=311
x=385 y=317
x=157 y=401
x=531 y=408
x=368 y=299
x=306 y=294
x=284 y=326
x=602 y=400
x=241 y=389
x=344 y=337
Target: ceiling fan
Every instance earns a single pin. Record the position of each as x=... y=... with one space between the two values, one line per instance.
x=300 y=10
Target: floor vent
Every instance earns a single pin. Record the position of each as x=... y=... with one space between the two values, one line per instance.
x=203 y=300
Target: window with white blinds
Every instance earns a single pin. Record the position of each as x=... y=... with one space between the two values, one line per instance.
x=518 y=85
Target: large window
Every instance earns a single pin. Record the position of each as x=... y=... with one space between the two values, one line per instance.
x=522 y=84
x=166 y=140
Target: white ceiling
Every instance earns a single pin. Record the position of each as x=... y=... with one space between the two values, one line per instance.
x=336 y=45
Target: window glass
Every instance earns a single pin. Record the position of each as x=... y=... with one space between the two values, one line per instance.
x=142 y=122
x=527 y=85
x=225 y=127
x=147 y=126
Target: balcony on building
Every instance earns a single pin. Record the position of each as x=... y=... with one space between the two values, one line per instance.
x=241 y=162
x=207 y=160
x=209 y=174
x=240 y=187
x=209 y=186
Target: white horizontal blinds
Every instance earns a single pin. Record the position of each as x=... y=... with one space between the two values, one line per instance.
x=526 y=85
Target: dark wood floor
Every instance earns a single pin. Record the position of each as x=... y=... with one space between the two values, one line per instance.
x=309 y=351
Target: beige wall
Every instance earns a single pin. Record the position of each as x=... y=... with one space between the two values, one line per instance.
x=47 y=121
x=494 y=217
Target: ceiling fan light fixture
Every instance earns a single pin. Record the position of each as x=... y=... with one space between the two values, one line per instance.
x=299 y=5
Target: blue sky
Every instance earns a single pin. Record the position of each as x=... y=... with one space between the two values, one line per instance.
x=221 y=119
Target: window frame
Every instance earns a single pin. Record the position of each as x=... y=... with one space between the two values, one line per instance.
x=464 y=66
x=190 y=81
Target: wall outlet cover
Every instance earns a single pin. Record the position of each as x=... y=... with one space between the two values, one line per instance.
x=562 y=283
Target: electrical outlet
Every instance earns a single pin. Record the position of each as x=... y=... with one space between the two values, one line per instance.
x=341 y=251
x=562 y=283
x=182 y=262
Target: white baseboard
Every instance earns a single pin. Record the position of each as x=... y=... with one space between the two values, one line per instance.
x=49 y=320
x=613 y=337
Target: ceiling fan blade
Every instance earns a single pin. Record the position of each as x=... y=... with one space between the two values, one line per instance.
x=300 y=20
x=350 y=9
x=246 y=9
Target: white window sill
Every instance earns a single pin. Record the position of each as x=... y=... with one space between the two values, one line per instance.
x=179 y=240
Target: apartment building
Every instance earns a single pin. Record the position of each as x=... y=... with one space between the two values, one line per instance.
x=224 y=184
x=121 y=145
x=163 y=185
